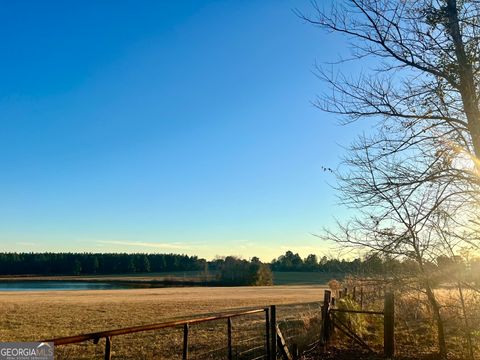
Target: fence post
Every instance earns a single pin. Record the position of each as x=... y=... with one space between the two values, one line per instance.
x=345 y=292
x=229 y=330
x=389 y=326
x=354 y=293
x=267 y=331
x=325 y=323
x=108 y=348
x=185 y=342
x=361 y=298
x=273 y=332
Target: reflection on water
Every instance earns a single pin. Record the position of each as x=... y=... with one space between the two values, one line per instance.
x=45 y=285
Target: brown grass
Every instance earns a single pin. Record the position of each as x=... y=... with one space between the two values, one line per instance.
x=31 y=316
x=415 y=329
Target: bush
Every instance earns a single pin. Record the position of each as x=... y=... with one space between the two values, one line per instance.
x=356 y=322
x=236 y=271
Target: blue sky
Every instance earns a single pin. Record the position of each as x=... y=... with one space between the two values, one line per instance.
x=164 y=126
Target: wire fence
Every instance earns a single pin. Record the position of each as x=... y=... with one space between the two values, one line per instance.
x=240 y=334
x=300 y=324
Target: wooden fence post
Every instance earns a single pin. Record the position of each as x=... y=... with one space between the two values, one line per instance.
x=354 y=293
x=327 y=295
x=229 y=331
x=185 y=342
x=273 y=332
x=389 y=326
x=282 y=345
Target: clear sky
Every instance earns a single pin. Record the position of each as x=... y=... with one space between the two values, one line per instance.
x=164 y=126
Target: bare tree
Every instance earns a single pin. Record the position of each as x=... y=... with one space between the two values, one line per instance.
x=401 y=221
x=427 y=76
x=414 y=181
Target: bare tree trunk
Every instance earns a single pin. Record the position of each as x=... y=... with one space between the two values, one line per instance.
x=442 y=346
x=432 y=299
x=468 y=334
x=467 y=83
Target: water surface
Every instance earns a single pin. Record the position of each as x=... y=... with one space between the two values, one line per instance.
x=51 y=285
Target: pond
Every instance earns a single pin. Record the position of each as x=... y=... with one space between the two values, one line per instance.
x=46 y=285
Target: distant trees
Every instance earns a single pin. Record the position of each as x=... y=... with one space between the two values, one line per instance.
x=289 y=261
x=440 y=269
x=311 y=262
x=91 y=264
x=144 y=264
x=293 y=262
x=230 y=270
x=88 y=263
x=235 y=271
x=77 y=267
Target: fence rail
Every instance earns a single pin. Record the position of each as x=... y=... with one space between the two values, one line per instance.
x=358 y=311
x=274 y=333
x=130 y=330
x=96 y=336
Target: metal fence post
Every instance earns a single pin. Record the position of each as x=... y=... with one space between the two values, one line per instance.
x=389 y=326
x=185 y=342
x=273 y=332
x=108 y=348
x=229 y=330
x=267 y=331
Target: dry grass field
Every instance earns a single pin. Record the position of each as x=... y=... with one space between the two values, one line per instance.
x=38 y=315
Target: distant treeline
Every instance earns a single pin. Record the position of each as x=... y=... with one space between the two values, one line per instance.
x=440 y=269
x=122 y=263
x=293 y=262
x=226 y=271
x=88 y=263
x=225 y=267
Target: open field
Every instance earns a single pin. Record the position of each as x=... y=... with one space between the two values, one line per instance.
x=39 y=315
x=127 y=277
x=142 y=279
x=279 y=277
x=304 y=277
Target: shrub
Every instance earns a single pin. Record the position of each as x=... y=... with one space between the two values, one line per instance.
x=356 y=322
x=234 y=271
